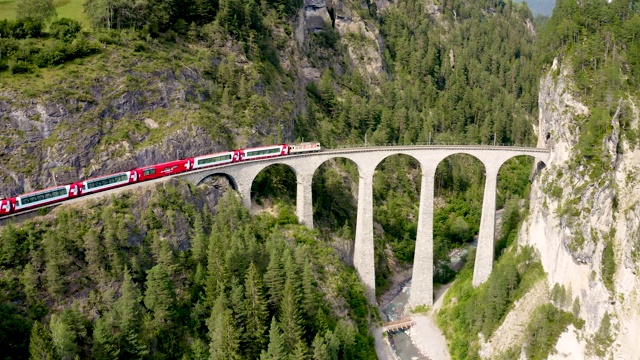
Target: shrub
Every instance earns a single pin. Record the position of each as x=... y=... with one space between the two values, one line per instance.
x=139 y=46
x=20 y=67
x=26 y=28
x=8 y=47
x=53 y=54
x=65 y=29
x=608 y=265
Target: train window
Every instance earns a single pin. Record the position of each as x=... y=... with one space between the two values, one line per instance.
x=106 y=181
x=43 y=196
x=150 y=171
x=214 y=159
x=263 y=152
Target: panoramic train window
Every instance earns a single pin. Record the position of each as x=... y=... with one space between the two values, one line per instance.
x=148 y=172
x=214 y=159
x=263 y=152
x=106 y=181
x=42 y=196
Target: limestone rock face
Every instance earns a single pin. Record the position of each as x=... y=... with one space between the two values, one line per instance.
x=315 y=15
x=573 y=218
x=49 y=140
x=362 y=40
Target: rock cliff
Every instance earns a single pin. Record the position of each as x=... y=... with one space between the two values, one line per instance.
x=585 y=224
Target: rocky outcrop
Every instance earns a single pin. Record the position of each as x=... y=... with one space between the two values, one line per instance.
x=49 y=141
x=576 y=213
x=111 y=120
x=362 y=40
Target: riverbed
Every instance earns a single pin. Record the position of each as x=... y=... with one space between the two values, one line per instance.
x=400 y=341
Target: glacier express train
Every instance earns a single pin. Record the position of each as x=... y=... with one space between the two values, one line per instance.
x=61 y=193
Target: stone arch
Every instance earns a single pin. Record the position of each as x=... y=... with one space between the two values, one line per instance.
x=210 y=177
x=334 y=212
x=263 y=183
x=455 y=227
x=523 y=168
x=400 y=233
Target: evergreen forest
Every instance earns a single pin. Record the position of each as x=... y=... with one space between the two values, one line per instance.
x=185 y=272
x=177 y=281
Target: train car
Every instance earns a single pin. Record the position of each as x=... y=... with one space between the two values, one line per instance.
x=60 y=193
x=304 y=147
x=46 y=197
x=6 y=206
x=263 y=152
x=164 y=169
x=107 y=182
x=203 y=161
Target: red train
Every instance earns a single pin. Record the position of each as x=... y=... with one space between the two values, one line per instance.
x=57 y=194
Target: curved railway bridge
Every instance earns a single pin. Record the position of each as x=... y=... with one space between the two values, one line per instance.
x=304 y=166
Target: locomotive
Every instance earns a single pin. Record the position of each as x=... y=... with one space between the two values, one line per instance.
x=61 y=193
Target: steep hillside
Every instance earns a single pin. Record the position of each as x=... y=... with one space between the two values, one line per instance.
x=174 y=271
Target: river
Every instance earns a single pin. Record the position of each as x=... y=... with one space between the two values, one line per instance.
x=400 y=341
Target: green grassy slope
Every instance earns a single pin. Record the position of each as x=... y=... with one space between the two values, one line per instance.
x=7 y=9
x=71 y=9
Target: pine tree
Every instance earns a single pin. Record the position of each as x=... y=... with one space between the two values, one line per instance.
x=110 y=240
x=276 y=349
x=225 y=339
x=292 y=272
x=238 y=310
x=57 y=261
x=93 y=255
x=256 y=313
x=129 y=313
x=274 y=280
x=41 y=346
x=159 y=296
x=199 y=280
x=320 y=351
x=199 y=350
x=29 y=279
x=347 y=335
x=289 y=316
x=216 y=271
x=9 y=246
x=63 y=337
x=333 y=344
x=104 y=347
x=167 y=258
x=309 y=300
x=236 y=258
x=300 y=352
x=199 y=239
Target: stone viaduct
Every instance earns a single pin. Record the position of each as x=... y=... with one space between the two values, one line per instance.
x=304 y=166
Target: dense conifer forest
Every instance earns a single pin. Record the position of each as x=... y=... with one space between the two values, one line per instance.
x=177 y=281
